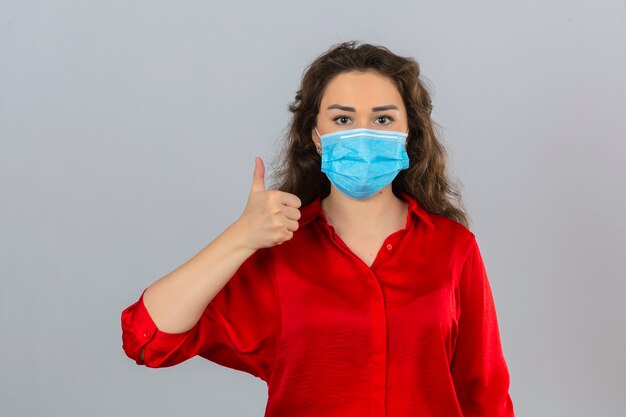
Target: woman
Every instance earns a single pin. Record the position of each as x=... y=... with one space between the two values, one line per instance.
x=353 y=288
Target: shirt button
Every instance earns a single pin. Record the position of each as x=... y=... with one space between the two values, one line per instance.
x=146 y=334
x=389 y=246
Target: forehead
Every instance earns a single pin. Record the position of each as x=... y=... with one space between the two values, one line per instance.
x=360 y=88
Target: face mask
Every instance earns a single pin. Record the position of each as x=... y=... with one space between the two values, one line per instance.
x=359 y=162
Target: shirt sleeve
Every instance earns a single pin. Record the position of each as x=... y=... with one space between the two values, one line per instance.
x=238 y=329
x=478 y=367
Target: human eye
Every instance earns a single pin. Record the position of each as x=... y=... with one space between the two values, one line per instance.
x=341 y=116
x=385 y=116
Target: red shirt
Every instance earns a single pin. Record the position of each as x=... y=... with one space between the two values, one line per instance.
x=415 y=334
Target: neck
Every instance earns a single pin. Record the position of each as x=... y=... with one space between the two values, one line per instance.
x=380 y=212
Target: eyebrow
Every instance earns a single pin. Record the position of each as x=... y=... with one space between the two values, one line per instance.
x=347 y=108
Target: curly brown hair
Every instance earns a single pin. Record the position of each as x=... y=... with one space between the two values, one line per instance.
x=298 y=165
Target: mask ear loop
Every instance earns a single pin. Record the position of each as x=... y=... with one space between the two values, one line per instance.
x=319 y=150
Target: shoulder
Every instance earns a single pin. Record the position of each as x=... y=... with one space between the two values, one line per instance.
x=451 y=238
x=452 y=230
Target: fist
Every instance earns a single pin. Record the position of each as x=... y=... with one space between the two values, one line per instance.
x=271 y=216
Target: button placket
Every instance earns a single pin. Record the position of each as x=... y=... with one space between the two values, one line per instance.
x=379 y=347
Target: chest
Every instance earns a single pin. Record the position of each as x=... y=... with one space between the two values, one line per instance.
x=364 y=247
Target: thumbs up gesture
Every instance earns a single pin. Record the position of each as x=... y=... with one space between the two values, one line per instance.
x=270 y=216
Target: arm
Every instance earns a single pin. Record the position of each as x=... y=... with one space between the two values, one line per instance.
x=223 y=303
x=228 y=328
x=176 y=301
x=478 y=367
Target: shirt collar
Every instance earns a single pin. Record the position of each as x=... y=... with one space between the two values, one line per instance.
x=314 y=209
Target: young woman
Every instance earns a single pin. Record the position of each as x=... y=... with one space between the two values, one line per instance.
x=354 y=287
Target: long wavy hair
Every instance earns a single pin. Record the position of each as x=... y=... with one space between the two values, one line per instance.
x=297 y=166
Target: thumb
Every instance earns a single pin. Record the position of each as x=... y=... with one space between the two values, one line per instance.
x=258 y=178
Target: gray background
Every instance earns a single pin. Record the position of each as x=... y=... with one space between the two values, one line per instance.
x=128 y=132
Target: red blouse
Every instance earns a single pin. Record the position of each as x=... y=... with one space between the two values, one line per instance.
x=415 y=334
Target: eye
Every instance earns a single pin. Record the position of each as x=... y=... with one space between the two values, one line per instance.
x=384 y=116
x=341 y=116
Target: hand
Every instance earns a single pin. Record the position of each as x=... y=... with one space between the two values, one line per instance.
x=270 y=216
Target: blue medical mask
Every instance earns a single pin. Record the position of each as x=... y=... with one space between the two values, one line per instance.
x=362 y=161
